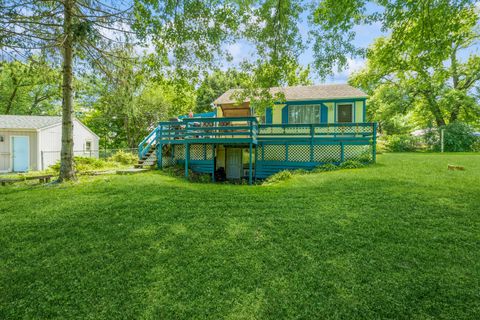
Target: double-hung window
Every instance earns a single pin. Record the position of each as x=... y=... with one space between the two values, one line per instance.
x=305 y=113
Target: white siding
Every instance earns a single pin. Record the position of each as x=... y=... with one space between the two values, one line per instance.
x=51 y=143
x=6 y=148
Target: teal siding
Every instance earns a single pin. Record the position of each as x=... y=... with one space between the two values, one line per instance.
x=285 y=114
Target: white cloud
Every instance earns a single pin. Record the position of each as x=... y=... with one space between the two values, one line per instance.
x=353 y=65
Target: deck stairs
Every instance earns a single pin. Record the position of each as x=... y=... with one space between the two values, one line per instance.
x=148 y=160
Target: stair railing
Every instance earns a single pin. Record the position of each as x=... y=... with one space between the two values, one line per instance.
x=147 y=143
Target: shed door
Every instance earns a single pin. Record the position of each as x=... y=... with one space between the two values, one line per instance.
x=234 y=163
x=20 y=153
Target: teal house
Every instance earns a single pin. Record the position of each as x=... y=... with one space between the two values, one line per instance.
x=313 y=125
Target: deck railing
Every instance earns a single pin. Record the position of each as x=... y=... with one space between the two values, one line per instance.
x=244 y=128
x=247 y=129
x=317 y=130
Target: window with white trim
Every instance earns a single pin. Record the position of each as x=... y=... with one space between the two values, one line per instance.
x=88 y=146
x=304 y=113
x=345 y=113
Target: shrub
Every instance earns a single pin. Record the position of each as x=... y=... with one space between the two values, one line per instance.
x=402 y=143
x=279 y=176
x=87 y=164
x=175 y=171
x=203 y=178
x=365 y=157
x=326 y=167
x=124 y=157
x=351 y=164
x=458 y=137
x=301 y=171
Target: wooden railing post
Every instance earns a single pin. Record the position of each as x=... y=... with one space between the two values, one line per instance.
x=342 y=152
x=312 y=135
x=250 y=173
x=213 y=159
x=187 y=157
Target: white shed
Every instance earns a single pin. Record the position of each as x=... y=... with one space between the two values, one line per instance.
x=34 y=142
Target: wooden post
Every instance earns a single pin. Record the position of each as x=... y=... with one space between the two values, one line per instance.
x=250 y=165
x=312 y=135
x=159 y=156
x=158 y=138
x=442 y=148
x=213 y=158
x=187 y=157
x=256 y=157
x=342 y=152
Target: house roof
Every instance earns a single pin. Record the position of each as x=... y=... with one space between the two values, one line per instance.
x=300 y=93
x=27 y=122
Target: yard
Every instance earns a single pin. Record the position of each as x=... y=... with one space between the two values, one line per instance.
x=399 y=239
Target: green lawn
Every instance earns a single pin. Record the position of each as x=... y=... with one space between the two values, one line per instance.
x=400 y=239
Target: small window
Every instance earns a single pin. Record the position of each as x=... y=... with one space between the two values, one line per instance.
x=344 y=113
x=2 y=139
x=88 y=146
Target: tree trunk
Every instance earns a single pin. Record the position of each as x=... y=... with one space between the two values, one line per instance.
x=435 y=110
x=67 y=170
x=455 y=79
x=10 y=100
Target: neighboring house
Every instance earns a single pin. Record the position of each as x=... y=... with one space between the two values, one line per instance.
x=34 y=142
x=314 y=125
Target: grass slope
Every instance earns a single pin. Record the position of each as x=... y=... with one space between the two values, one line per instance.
x=396 y=240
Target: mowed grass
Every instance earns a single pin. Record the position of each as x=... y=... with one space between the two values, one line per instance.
x=398 y=240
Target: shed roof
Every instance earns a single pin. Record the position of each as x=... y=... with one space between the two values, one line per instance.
x=28 y=122
x=316 y=92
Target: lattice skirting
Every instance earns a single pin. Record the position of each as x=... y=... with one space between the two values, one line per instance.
x=173 y=154
x=272 y=158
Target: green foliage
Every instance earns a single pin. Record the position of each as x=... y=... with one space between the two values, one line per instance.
x=30 y=87
x=124 y=157
x=416 y=77
x=213 y=85
x=402 y=143
x=83 y=164
x=458 y=137
x=278 y=177
x=351 y=164
x=388 y=233
x=325 y=167
x=123 y=106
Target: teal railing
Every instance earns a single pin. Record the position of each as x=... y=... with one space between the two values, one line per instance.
x=317 y=130
x=246 y=129
x=209 y=128
x=148 y=142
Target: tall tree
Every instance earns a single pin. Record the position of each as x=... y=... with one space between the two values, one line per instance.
x=433 y=83
x=76 y=29
x=213 y=85
x=30 y=87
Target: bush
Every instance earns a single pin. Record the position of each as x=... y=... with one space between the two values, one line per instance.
x=326 y=167
x=402 y=143
x=458 y=137
x=87 y=164
x=351 y=164
x=124 y=157
x=279 y=176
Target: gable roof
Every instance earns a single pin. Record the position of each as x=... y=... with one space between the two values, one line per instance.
x=34 y=122
x=300 y=93
x=27 y=122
